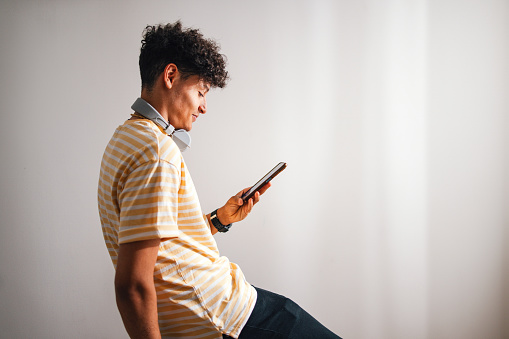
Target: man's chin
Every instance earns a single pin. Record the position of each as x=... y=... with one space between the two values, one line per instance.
x=185 y=128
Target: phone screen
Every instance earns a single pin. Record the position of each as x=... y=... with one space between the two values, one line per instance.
x=267 y=177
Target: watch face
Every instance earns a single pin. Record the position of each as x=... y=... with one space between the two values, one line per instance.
x=225 y=228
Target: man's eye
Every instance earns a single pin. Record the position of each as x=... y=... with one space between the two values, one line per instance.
x=200 y=93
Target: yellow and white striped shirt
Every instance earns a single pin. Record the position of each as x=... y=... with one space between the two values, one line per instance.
x=146 y=192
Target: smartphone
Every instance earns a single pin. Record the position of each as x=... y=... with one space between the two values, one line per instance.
x=268 y=177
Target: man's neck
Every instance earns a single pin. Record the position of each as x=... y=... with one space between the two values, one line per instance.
x=157 y=101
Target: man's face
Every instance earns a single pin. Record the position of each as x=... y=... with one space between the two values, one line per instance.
x=187 y=101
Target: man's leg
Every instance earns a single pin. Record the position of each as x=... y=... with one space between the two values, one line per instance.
x=275 y=316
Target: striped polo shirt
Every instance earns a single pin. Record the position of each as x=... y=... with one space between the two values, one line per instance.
x=145 y=192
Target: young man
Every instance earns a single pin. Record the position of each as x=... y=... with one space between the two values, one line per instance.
x=170 y=280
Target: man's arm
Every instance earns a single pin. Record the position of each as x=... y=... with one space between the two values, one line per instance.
x=135 y=290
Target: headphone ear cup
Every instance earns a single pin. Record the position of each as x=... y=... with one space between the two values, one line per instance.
x=182 y=138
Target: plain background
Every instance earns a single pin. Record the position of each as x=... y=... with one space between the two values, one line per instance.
x=391 y=220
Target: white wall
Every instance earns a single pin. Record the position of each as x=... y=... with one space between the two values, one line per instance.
x=391 y=219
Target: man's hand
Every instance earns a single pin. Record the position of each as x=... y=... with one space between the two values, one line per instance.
x=235 y=209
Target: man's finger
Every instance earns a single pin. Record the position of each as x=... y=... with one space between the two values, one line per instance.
x=264 y=188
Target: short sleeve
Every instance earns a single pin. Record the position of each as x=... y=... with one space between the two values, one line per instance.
x=149 y=203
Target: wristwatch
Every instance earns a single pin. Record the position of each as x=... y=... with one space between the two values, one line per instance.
x=217 y=224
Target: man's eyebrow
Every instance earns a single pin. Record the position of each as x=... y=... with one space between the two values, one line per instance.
x=207 y=87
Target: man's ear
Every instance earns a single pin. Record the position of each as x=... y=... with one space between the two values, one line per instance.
x=169 y=75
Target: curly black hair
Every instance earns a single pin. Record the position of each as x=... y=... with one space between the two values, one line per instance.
x=186 y=48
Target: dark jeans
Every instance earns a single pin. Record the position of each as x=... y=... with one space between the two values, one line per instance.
x=275 y=316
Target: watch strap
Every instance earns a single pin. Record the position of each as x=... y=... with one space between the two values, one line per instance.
x=217 y=224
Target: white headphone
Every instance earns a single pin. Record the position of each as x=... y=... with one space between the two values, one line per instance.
x=181 y=137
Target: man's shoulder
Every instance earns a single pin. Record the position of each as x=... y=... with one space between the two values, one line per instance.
x=140 y=130
x=145 y=141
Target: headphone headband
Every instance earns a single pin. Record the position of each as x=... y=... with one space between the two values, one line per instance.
x=181 y=137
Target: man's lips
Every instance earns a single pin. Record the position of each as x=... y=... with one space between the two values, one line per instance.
x=195 y=117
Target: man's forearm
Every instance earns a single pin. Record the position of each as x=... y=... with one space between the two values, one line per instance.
x=213 y=230
x=138 y=308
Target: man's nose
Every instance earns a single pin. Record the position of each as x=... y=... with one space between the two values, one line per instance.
x=203 y=107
